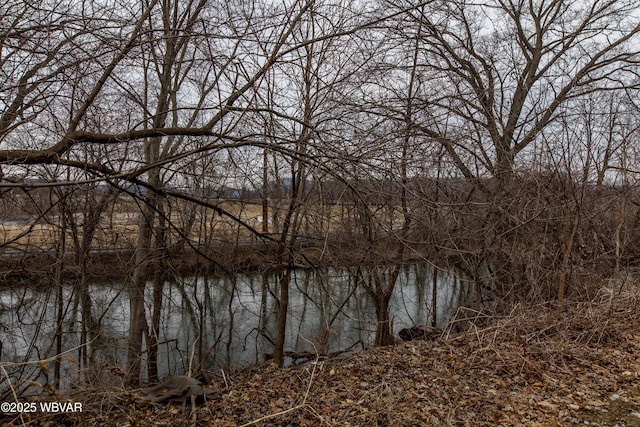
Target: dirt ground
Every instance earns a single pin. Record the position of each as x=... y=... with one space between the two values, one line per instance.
x=540 y=366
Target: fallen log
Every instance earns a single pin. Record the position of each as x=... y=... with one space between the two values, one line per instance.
x=179 y=389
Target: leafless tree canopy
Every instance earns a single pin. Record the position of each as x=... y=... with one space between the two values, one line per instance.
x=494 y=138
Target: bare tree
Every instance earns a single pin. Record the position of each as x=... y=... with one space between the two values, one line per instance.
x=510 y=66
x=501 y=74
x=381 y=133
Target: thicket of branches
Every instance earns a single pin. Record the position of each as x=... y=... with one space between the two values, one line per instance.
x=496 y=138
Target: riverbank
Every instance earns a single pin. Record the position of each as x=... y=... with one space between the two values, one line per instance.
x=537 y=366
x=19 y=268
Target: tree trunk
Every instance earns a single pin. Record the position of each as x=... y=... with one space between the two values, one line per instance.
x=434 y=298
x=158 y=288
x=60 y=298
x=152 y=339
x=384 y=335
x=138 y=320
x=381 y=290
x=284 y=278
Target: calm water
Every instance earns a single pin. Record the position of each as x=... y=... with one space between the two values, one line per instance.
x=221 y=321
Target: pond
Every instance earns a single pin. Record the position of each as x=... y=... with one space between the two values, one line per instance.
x=212 y=322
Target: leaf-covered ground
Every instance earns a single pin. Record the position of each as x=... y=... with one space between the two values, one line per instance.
x=536 y=367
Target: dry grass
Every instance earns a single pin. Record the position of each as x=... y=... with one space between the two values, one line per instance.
x=120 y=228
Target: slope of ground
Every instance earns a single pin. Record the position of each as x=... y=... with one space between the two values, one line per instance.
x=536 y=367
